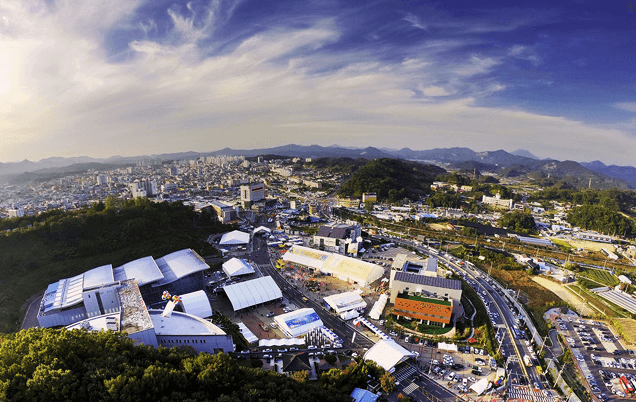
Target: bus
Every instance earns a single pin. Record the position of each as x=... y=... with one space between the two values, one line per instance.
x=627 y=386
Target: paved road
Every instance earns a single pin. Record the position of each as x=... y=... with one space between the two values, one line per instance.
x=557 y=349
x=344 y=330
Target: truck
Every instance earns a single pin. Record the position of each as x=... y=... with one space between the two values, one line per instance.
x=527 y=360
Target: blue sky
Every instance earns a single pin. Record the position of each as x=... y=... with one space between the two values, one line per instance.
x=128 y=77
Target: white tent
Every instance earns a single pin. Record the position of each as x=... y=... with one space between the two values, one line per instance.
x=387 y=354
x=347 y=315
x=343 y=302
x=339 y=266
x=298 y=322
x=262 y=229
x=234 y=238
x=281 y=342
x=250 y=293
x=447 y=346
x=378 y=307
x=197 y=304
x=247 y=334
x=237 y=267
x=480 y=386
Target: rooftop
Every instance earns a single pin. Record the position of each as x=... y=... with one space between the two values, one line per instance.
x=404 y=295
x=182 y=324
x=428 y=280
x=179 y=264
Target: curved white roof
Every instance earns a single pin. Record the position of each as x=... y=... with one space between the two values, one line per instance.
x=143 y=270
x=387 y=354
x=253 y=292
x=298 y=322
x=98 y=277
x=236 y=267
x=197 y=304
x=235 y=237
x=181 y=263
x=182 y=324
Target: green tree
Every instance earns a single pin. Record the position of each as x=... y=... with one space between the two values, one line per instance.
x=387 y=383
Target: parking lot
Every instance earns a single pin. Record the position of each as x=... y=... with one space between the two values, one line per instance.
x=608 y=368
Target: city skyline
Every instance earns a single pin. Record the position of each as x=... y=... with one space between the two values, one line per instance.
x=133 y=78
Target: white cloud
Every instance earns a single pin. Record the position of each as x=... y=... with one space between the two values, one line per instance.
x=435 y=90
x=626 y=106
x=416 y=22
x=61 y=95
x=477 y=65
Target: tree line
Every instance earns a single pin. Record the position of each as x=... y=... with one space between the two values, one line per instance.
x=62 y=365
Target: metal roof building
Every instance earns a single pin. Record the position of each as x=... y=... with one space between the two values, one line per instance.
x=83 y=296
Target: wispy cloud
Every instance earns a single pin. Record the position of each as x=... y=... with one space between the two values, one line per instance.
x=61 y=93
x=416 y=22
x=626 y=106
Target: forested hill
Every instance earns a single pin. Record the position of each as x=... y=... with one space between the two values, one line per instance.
x=60 y=365
x=391 y=179
x=38 y=250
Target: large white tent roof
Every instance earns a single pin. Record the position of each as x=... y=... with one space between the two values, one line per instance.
x=197 y=304
x=340 y=266
x=298 y=322
x=387 y=354
x=253 y=292
x=234 y=238
x=236 y=267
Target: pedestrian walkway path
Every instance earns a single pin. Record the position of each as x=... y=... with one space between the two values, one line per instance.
x=412 y=387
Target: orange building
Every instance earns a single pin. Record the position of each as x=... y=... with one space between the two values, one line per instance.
x=425 y=309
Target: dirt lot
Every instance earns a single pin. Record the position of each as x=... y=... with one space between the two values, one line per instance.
x=564 y=294
x=588 y=245
x=629 y=329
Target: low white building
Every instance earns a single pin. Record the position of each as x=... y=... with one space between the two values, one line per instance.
x=344 y=302
x=298 y=322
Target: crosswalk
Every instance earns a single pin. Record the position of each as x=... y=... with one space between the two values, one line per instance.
x=410 y=388
x=404 y=373
x=524 y=394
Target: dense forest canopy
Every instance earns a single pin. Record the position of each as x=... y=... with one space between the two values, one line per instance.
x=614 y=199
x=38 y=250
x=61 y=365
x=602 y=219
x=518 y=221
x=391 y=179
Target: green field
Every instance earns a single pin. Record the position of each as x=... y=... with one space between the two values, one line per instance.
x=600 y=276
x=562 y=244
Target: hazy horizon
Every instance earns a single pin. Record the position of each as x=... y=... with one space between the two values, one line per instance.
x=132 y=77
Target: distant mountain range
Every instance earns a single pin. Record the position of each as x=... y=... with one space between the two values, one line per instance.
x=517 y=163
